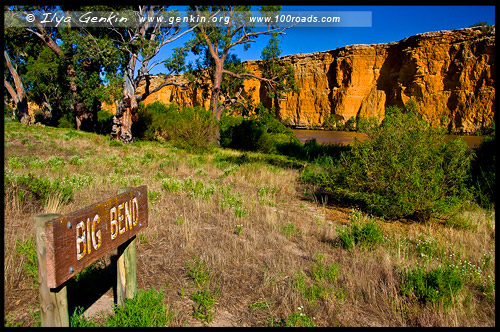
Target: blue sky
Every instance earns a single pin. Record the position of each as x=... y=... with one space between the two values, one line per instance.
x=389 y=23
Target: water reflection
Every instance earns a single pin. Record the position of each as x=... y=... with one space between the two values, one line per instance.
x=346 y=137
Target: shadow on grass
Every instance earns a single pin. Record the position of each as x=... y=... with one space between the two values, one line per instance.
x=289 y=155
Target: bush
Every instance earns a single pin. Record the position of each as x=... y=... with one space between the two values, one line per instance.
x=483 y=172
x=191 y=128
x=406 y=169
x=367 y=235
x=437 y=286
x=66 y=122
x=32 y=191
x=260 y=132
x=104 y=122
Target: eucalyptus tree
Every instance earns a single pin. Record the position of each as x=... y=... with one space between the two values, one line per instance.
x=15 y=87
x=140 y=45
x=215 y=42
x=19 y=47
x=281 y=75
x=61 y=65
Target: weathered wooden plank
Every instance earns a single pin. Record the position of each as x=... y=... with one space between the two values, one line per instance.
x=78 y=239
x=53 y=302
x=126 y=275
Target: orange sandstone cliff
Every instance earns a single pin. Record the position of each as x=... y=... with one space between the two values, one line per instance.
x=449 y=74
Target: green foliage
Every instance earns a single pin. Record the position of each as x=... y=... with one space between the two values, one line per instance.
x=75 y=160
x=204 y=298
x=153 y=196
x=283 y=75
x=15 y=162
x=323 y=280
x=485 y=27
x=190 y=128
x=233 y=201
x=198 y=189
x=172 y=185
x=115 y=142
x=427 y=247
x=66 y=121
x=239 y=229
x=9 y=321
x=31 y=190
x=366 y=235
x=260 y=305
x=289 y=230
x=36 y=316
x=77 y=319
x=436 y=286
x=321 y=273
x=260 y=132
x=297 y=319
x=27 y=248
x=198 y=271
x=146 y=309
x=104 y=122
x=319 y=154
x=483 y=171
x=406 y=170
x=204 y=301
x=8 y=112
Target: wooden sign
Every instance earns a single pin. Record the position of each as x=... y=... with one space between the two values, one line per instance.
x=76 y=240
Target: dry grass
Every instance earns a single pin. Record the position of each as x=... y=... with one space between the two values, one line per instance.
x=282 y=231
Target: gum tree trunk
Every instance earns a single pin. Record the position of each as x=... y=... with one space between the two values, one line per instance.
x=19 y=94
x=127 y=108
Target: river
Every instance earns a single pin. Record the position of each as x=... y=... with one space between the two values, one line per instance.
x=346 y=137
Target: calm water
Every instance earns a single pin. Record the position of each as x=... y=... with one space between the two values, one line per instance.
x=346 y=137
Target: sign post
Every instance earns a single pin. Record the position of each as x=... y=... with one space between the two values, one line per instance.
x=66 y=244
x=53 y=303
x=126 y=278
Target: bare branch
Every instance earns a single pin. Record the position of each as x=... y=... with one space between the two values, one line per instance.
x=243 y=75
x=159 y=87
x=11 y=91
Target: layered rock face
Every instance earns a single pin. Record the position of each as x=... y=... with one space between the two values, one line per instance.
x=449 y=74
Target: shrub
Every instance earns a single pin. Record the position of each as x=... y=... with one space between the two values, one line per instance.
x=259 y=132
x=32 y=191
x=66 y=122
x=192 y=128
x=406 y=169
x=483 y=171
x=198 y=271
x=366 y=235
x=439 y=285
x=205 y=300
x=104 y=122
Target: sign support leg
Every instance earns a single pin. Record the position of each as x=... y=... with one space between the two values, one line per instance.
x=126 y=275
x=53 y=302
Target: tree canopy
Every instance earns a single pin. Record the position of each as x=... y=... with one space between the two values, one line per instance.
x=70 y=71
